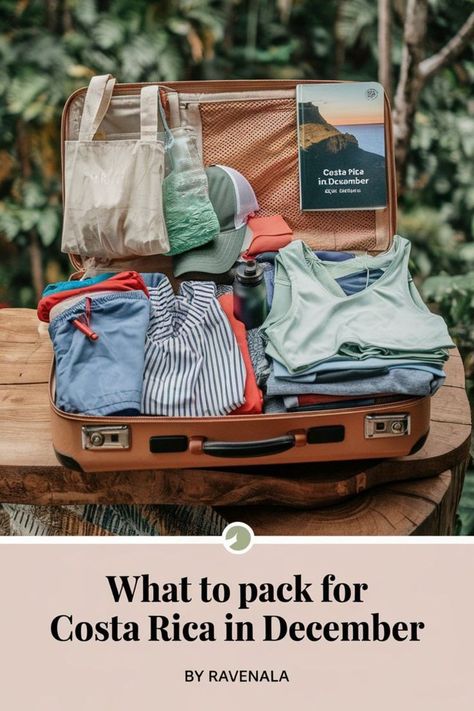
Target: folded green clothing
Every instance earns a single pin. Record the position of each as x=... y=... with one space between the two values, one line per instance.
x=359 y=352
x=313 y=320
x=190 y=218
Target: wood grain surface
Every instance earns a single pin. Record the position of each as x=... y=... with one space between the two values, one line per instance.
x=426 y=507
x=30 y=473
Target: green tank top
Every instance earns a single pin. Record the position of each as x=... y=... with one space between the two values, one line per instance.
x=312 y=319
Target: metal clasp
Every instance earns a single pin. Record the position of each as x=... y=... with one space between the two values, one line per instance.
x=387 y=426
x=109 y=437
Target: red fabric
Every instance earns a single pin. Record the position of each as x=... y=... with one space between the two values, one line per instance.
x=268 y=235
x=124 y=281
x=253 y=395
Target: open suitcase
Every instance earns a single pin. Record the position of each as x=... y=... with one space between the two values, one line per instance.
x=250 y=126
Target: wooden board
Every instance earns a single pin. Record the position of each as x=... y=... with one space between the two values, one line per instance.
x=29 y=471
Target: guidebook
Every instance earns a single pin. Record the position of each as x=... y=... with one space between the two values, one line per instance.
x=341 y=146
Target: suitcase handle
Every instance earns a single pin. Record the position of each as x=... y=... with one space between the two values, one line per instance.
x=254 y=448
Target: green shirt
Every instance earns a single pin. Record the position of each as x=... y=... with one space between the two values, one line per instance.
x=312 y=319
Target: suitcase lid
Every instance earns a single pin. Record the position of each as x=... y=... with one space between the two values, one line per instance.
x=251 y=126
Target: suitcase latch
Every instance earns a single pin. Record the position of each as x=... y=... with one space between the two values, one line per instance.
x=110 y=437
x=387 y=426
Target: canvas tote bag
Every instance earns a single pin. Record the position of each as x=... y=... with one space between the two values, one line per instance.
x=113 y=189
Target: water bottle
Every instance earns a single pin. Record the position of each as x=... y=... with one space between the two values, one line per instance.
x=250 y=294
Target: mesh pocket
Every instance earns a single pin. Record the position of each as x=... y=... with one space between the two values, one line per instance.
x=259 y=139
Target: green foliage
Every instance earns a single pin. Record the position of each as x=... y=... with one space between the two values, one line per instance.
x=358 y=25
x=466 y=507
x=454 y=296
x=441 y=170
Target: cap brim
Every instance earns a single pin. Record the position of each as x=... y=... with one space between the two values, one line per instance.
x=215 y=257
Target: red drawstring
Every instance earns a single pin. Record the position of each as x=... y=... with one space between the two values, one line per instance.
x=83 y=322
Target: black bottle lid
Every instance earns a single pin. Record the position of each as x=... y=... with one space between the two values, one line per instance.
x=249 y=272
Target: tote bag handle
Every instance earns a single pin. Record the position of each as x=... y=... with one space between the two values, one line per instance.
x=97 y=101
x=173 y=104
x=150 y=106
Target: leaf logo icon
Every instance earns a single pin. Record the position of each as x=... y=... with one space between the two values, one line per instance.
x=238 y=537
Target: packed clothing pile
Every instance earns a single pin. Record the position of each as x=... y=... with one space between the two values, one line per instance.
x=259 y=322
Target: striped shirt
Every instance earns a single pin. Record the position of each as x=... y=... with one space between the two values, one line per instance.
x=193 y=365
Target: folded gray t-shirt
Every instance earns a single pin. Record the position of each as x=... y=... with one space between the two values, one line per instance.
x=399 y=381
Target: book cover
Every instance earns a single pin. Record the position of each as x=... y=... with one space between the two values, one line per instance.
x=341 y=146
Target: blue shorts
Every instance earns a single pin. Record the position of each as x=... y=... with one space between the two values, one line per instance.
x=102 y=377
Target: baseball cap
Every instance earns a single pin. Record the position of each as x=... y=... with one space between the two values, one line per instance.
x=233 y=200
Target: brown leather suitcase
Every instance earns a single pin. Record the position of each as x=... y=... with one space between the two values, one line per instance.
x=250 y=126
